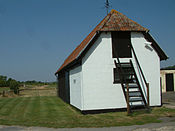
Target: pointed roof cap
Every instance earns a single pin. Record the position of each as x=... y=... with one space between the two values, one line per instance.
x=114 y=21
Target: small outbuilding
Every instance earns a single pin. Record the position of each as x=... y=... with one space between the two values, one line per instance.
x=116 y=66
x=167 y=79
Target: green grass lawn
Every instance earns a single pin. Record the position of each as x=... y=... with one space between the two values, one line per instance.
x=51 y=111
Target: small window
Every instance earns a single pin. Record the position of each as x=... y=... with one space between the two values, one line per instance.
x=74 y=81
x=121 y=42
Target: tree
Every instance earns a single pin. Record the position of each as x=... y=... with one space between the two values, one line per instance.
x=14 y=85
x=3 y=80
x=8 y=81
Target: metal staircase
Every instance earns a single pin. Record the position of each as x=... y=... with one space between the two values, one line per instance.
x=131 y=87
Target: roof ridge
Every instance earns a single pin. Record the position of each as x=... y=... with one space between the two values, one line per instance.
x=114 y=11
x=120 y=18
x=109 y=15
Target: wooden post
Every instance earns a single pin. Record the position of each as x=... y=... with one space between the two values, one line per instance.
x=147 y=85
x=127 y=95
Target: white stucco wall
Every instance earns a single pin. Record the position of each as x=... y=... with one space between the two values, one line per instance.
x=75 y=78
x=94 y=88
x=150 y=64
x=99 y=92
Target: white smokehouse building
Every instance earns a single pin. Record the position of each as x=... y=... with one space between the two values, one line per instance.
x=117 y=52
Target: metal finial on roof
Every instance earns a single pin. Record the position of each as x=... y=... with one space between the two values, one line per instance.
x=107 y=5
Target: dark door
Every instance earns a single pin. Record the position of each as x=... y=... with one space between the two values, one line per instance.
x=121 y=41
x=169 y=82
x=63 y=84
x=67 y=88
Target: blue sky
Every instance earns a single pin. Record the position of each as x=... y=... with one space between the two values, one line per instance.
x=37 y=35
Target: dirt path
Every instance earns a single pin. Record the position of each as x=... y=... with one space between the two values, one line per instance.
x=168 y=99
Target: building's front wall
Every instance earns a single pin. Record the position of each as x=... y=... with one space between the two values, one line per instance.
x=99 y=92
x=75 y=80
x=150 y=64
x=163 y=78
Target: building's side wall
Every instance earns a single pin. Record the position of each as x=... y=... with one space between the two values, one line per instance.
x=99 y=92
x=63 y=87
x=150 y=64
x=75 y=80
x=163 y=76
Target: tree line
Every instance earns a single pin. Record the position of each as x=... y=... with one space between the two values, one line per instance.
x=169 y=67
x=4 y=82
x=12 y=83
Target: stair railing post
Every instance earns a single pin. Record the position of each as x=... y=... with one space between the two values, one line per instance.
x=127 y=94
x=147 y=85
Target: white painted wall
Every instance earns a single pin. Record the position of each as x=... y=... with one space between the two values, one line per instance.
x=150 y=64
x=99 y=92
x=75 y=78
x=94 y=88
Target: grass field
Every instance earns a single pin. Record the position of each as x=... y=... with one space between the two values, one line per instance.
x=50 y=111
x=4 y=89
x=31 y=91
x=38 y=92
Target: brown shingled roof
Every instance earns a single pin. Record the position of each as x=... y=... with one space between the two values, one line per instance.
x=119 y=22
x=114 y=21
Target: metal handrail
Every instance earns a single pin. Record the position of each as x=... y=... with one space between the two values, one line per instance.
x=144 y=79
x=139 y=65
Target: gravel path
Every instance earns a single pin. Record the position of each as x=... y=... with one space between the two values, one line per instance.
x=166 y=126
x=168 y=99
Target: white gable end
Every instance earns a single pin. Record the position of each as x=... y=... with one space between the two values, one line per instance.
x=91 y=84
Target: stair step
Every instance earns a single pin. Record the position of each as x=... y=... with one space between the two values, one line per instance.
x=135 y=94
x=135 y=99
x=128 y=73
x=130 y=81
x=131 y=85
x=141 y=106
x=124 y=64
x=134 y=91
